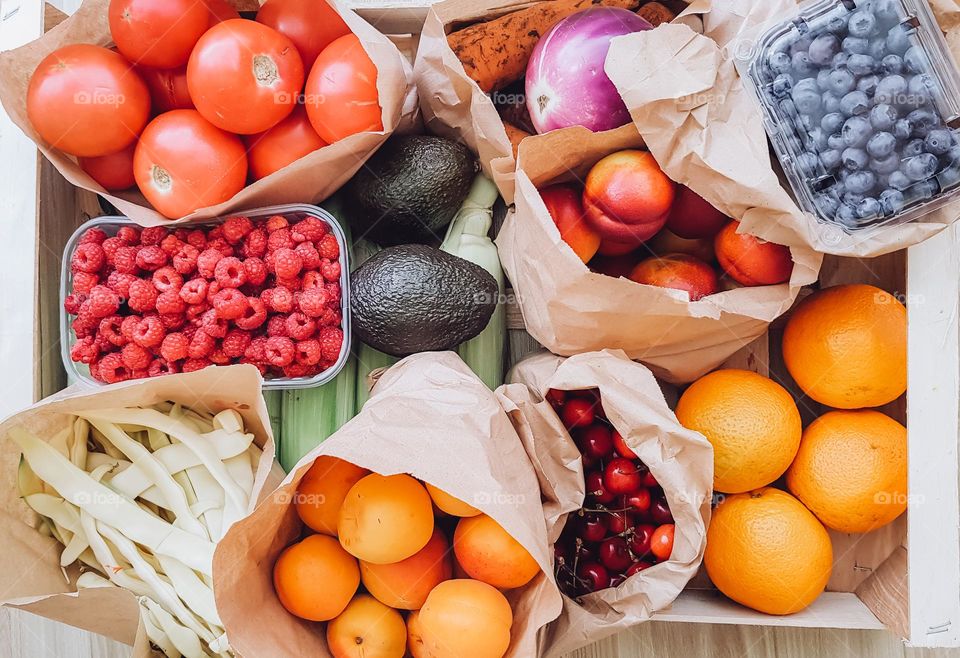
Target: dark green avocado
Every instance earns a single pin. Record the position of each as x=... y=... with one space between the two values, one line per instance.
x=414 y=298
x=409 y=190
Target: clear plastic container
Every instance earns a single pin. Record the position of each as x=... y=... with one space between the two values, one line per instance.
x=861 y=100
x=293 y=212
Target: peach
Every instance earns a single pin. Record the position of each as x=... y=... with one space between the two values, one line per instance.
x=405 y=584
x=627 y=197
x=692 y=217
x=466 y=619
x=487 y=552
x=668 y=242
x=564 y=204
x=321 y=492
x=751 y=261
x=677 y=271
x=367 y=629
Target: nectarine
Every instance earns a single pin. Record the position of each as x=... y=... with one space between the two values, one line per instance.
x=367 y=629
x=322 y=489
x=751 y=261
x=677 y=271
x=487 y=552
x=315 y=578
x=466 y=619
x=405 y=584
x=692 y=217
x=565 y=206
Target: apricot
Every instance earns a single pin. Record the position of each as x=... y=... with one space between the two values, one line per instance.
x=405 y=584
x=466 y=619
x=315 y=578
x=692 y=217
x=565 y=206
x=751 y=261
x=677 y=271
x=487 y=552
x=667 y=242
x=367 y=629
x=449 y=504
x=321 y=492
x=627 y=197
x=385 y=518
x=415 y=646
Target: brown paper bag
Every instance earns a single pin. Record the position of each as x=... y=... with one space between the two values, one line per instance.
x=30 y=577
x=680 y=459
x=570 y=309
x=428 y=416
x=308 y=180
x=706 y=131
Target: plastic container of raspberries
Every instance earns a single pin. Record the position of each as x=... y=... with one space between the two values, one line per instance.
x=861 y=100
x=234 y=339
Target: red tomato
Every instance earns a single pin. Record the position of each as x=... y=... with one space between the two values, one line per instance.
x=168 y=88
x=160 y=34
x=244 y=77
x=661 y=543
x=289 y=140
x=310 y=24
x=220 y=10
x=114 y=171
x=183 y=162
x=341 y=92
x=85 y=100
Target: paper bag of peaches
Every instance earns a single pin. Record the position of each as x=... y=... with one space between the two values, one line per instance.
x=634 y=487
x=416 y=527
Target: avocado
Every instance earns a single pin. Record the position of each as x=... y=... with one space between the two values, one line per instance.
x=414 y=298
x=410 y=189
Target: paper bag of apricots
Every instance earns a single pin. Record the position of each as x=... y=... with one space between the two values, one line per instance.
x=636 y=499
x=604 y=250
x=417 y=526
x=220 y=112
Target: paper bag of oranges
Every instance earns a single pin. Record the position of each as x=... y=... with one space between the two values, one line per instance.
x=637 y=499
x=604 y=250
x=417 y=526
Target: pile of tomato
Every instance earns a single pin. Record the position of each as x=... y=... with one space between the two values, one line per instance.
x=194 y=102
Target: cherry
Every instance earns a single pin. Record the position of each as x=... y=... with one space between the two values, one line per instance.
x=577 y=413
x=593 y=527
x=594 y=575
x=649 y=480
x=616 y=579
x=621 y=476
x=638 y=500
x=595 y=442
x=619 y=522
x=588 y=461
x=596 y=489
x=661 y=543
x=640 y=541
x=614 y=554
x=621 y=446
x=556 y=398
x=660 y=511
x=637 y=567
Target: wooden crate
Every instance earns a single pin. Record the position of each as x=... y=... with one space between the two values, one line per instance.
x=870 y=587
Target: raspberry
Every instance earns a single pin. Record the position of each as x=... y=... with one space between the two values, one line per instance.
x=276 y=223
x=152 y=235
x=201 y=345
x=110 y=330
x=220 y=245
x=330 y=318
x=218 y=357
x=256 y=270
x=119 y=283
x=311 y=280
x=213 y=287
x=313 y=302
x=309 y=229
x=143 y=296
x=197 y=239
x=230 y=303
x=88 y=257
x=102 y=302
x=136 y=357
x=262 y=367
x=129 y=235
x=93 y=235
x=280 y=351
x=280 y=239
x=151 y=258
x=277 y=325
x=236 y=229
x=171 y=244
x=309 y=257
x=333 y=294
x=196 y=311
x=287 y=263
x=299 y=326
x=148 y=332
x=110 y=246
x=83 y=282
x=330 y=270
x=112 y=368
x=230 y=272
x=167 y=278
x=128 y=326
x=84 y=351
x=212 y=325
x=102 y=343
x=192 y=365
x=328 y=247
x=331 y=341
x=279 y=299
x=297 y=370
x=71 y=303
x=125 y=260
x=173 y=321
x=308 y=352
x=292 y=284
x=170 y=303
x=236 y=343
x=185 y=260
x=256 y=351
x=255 y=244
x=194 y=291
x=84 y=324
x=174 y=346
x=254 y=316
x=215 y=233
x=207 y=262
x=159 y=367
x=181 y=233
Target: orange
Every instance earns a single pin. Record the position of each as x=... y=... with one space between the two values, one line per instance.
x=766 y=551
x=385 y=518
x=315 y=578
x=487 y=552
x=321 y=492
x=466 y=619
x=851 y=470
x=367 y=629
x=449 y=504
x=405 y=584
x=752 y=422
x=846 y=346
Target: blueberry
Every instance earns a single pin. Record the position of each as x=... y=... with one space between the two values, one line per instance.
x=862 y=23
x=823 y=48
x=916 y=60
x=920 y=167
x=855 y=46
x=899 y=181
x=831 y=159
x=885 y=166
x=823 y=79
x=817 y=139
x=892 y=64
x=780 y=62
x=855 y=159
x=800 y=45
x=856 y=131
x=808 y=162
x=868 y=84
x=781 y=85
x=898 y=40
x=886 y=12
x=912 y=148
x=891 y=90
x=852 y=198
x=827 y=205
x=802 y=65
x=861 y=64
x=806 y=100
x=847 y=214
x=831 y=103
x=891 y=201
x=832 y=122
x=902 y=129
x=856 y=102
x=837 y=24
x=920 y=89
x=860 y=182
x=923 y=121
x=835 y=141
x=878 y=49
x=869 y=208
x=883 y=116
x=925 y=189
x=881 y=145
x=841 y=81
x=840 y=60
x=950 y=176
x=881 y=180
x=938 y=141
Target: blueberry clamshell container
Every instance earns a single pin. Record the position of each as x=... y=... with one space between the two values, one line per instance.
x=293 y=212
x=861 y=101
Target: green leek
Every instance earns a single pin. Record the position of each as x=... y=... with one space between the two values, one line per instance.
x=368 y=358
